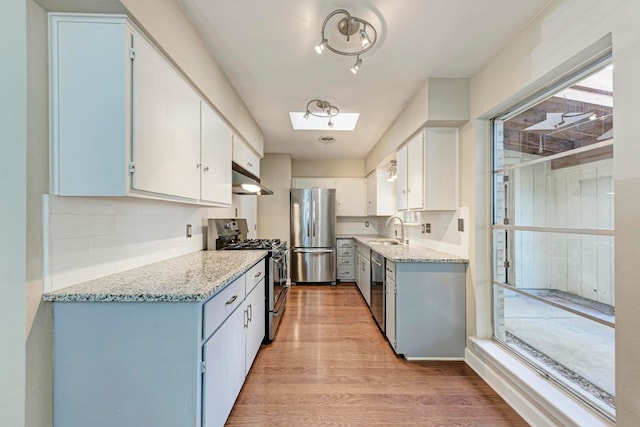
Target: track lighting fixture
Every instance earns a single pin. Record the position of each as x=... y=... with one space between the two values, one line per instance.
x=341 y=39
x=320 y=108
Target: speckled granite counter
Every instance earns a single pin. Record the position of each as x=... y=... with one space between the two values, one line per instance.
x=192 y=277
x=404 y=253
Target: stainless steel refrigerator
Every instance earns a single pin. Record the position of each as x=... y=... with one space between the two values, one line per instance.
x=313 y=235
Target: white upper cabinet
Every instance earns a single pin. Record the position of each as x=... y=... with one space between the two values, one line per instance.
x=402 y=201
x=245 y=156
x=381 y=200
x=428 y=171
x=351 y=197
x=125 y=122
x=415 y=172
x=90 y=105
x=216 y=158
x=306 y=182
x=441 y=169
x=166 y=127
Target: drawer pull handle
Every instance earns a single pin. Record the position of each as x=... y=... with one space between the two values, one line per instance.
x=232 y=299
x=258 y=274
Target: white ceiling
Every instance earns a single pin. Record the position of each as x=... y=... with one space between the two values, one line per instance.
x=266 y=49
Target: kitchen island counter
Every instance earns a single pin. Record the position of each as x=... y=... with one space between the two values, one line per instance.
x=192 y=277
x=404 y=253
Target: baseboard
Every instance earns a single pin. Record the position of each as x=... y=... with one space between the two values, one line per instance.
x=534 y=398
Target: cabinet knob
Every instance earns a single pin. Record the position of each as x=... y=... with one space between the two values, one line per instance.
x=206 y=168
x=198 y=165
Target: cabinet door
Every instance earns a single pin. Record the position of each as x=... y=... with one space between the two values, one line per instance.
x=402 y=201
x=215 y=146
x=415 y=176
x=366 y=281
x=441 y=169
x=351 y=197
x=372 y=200
x=224 y=355
x=90 y=90
x=244 y=156
x=166 y=127
x=357 y=269
x=390 y=311
x=254 y=323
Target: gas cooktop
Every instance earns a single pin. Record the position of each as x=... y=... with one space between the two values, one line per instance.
x=248 y=244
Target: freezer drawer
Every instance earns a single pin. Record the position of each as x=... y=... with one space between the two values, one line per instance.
x=313 y=265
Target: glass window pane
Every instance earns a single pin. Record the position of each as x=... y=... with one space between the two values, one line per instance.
x=579 y=196
x=576 y=351
x=570 y=265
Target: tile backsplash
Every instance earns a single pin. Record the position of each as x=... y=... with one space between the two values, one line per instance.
x=90 y=237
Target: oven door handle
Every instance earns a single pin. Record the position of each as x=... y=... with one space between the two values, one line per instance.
x=312 y=250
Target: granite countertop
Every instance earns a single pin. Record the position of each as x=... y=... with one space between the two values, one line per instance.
x=404 y=253
x=192 y=277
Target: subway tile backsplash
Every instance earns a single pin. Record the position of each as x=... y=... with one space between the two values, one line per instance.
x=90 y=237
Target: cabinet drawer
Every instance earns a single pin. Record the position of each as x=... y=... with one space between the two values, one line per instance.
x=345 y=243
x=390 y=269
x=345 y=261
x=345 y=252
x=254 y=275
x=218 y=308
x=345 y=272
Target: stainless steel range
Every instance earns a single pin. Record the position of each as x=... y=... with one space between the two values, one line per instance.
x=231 y=234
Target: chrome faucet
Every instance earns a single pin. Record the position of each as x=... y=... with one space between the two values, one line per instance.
x=401 y=239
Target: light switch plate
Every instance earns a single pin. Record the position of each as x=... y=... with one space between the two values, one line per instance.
x=189 y=230
x=427 y=228
x=460 y=224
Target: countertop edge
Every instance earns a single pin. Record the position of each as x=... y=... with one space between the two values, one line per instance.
x=206 y=291
x=434 y=256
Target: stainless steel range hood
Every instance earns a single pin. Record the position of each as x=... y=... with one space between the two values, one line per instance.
x=244 y=182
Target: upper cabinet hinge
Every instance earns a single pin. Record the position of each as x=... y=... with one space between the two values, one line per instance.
x=506 y=221
x=507 y=264
x=203 y=367
x=132 y=167
x=132 y=53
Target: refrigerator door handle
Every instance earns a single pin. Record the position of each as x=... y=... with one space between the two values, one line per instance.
x=313 y=216
x=312 y=250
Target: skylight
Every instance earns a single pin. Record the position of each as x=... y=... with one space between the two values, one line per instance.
x=343 y=121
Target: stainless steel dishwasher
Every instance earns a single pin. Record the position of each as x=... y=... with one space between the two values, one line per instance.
x=377 y=288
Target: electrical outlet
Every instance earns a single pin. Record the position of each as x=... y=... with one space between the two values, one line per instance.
x=460 y=224
x=427 y=228
x=366 y=223
x=189 y=230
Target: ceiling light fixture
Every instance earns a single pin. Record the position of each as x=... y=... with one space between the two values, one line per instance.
x=392 y=171
x=347 y=27
x=323 y=109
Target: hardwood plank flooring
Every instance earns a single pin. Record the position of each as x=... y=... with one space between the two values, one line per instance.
x=330 y=366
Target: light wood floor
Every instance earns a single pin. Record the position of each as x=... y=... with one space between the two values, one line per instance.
x=330 y=365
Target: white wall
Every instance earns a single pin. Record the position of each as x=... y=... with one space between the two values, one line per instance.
x=13 y=212
x=273 y=210
x=39 y=345
x=564 y=34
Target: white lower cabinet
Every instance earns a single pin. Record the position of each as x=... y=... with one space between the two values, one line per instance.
x=224 y=358
x=365 y=275
x=254 y=324
x=390 y=303
x=229 y=353
x=160 y=364
x=346 y=260
x=426 y=314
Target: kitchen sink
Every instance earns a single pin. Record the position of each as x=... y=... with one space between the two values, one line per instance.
x=386 y=242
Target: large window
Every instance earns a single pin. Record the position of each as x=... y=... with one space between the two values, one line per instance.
x=553 y=244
